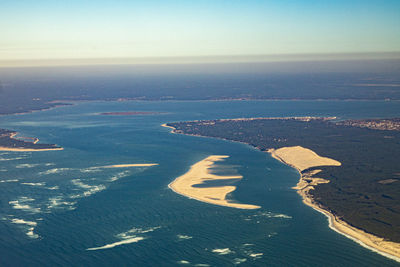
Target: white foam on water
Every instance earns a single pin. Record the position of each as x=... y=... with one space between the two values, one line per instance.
x=92 y=189
x=269 y=214
x=119 y=243
x=32 y=225
x=128 y=237
x=256 y=255
x=26 y=199
x=31 y=234
x=54 y=171
x=16 y=205
x=134 y=231
x=284 y=216
x=35 y=184
x=19 y=204
x=272 y=234
x=89 y=170
x=78 y=182
x=57 y=202
x=49 y=164
x=9 y=181
x=202 y=265
x=21 y=221
x=18 y=158
x=222 y=251
x=184 y=237
x=238 y=261
x=26 y=165
x=53 y=187
x=119 y=176
x=183 y=262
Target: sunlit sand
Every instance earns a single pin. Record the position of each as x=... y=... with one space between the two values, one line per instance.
x=200 y=173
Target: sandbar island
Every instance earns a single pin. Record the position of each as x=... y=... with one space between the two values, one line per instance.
x=200 y=173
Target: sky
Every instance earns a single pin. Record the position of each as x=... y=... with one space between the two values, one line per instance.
x=88 y=29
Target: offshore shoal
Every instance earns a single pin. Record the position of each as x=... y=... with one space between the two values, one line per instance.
x=198 y=174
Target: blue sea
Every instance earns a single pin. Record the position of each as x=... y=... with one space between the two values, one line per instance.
x=61 y=208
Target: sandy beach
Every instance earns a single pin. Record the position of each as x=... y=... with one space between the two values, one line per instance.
x=167 y=126
x=301 y=159
x=200 y=173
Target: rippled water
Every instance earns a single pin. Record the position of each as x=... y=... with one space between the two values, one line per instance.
x=62 y=208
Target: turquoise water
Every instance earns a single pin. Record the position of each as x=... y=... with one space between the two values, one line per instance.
x=56 y=205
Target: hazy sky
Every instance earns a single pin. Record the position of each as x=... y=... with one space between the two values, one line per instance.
x=106 y=29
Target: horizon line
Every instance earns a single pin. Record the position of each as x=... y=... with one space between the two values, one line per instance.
x=212 y=59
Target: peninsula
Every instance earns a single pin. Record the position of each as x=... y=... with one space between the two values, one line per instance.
x=9 y=142
x=191 y=184
x=348 y=172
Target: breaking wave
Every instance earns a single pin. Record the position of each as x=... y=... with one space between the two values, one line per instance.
x=58 y=202
x=184 y=237
x=25 y=165
x=31 y=227
x=20 y=204
x=9 y=181
x=119 y=176
x=35 y=184
x=222 y=251
x=54 y=171
x=127 y=237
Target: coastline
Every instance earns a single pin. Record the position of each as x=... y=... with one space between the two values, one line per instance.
x=374 y=243
x=200 y=173
x=307 y=182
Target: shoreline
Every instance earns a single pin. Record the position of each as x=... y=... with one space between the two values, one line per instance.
x=374 y=243
x=200 y=173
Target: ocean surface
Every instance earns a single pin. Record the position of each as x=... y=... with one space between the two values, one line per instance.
x=61 y=208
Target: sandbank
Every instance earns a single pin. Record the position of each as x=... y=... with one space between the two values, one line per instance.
x=200 y=173
x=301 y=159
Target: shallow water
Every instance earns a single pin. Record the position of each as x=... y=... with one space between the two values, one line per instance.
x=57 y=208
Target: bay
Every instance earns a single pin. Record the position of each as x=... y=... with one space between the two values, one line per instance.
x=55 y=205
